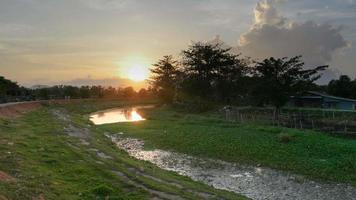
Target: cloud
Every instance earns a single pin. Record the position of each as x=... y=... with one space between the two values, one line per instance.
x=106 y=4
x=266 y=13
x=274 y=35
x=12 y=28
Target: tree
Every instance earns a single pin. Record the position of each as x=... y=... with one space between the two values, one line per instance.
x=163 y=78
x=128 y=93
x=10 y=90
x=343 y=87
x=278 y=79
x=211 y=71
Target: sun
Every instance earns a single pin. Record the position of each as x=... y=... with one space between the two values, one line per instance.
x=135 y=68
x=137 y=72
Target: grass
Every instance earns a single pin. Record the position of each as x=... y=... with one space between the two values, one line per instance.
x=316 y=155
x=45 y=161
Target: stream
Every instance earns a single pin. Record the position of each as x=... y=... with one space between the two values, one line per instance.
x=254 y=182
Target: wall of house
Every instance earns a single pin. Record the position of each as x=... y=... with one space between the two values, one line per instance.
x=343 y=105
x=339 y=104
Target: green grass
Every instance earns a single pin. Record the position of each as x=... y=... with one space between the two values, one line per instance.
x=44 y=160
x=316 y=155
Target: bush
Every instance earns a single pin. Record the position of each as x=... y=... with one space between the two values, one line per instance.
x=285 y=138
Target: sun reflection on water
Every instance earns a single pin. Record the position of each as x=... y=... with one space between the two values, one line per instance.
x=115 y=116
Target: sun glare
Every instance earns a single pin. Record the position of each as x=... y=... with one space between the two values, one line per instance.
x=137 y=72
x=135 y=116
x=135 y=68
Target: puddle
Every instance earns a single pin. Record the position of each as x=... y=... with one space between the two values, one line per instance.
x=254 y=182
x=117 y=115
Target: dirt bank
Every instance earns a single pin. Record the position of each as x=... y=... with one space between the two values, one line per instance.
x=15 y=109
x=6 y=177
x=11 y=110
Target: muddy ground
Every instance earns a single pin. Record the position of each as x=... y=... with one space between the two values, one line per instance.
x=254 y=182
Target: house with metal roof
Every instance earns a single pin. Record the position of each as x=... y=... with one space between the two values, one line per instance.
x=320 y=100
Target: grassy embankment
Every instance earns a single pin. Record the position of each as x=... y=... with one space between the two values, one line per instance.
x=316 y=155
x=47 y=163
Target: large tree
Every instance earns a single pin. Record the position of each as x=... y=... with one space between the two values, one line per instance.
x=278 y=79
x=163 y=78
x=211 y=71
x=8 y=88
x=343 y=87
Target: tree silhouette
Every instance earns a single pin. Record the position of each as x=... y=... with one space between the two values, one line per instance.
x=343 y=87
x=163 y=78
x=210 y=70
x=278 y=79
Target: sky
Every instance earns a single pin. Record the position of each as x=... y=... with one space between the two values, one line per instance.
x=114 y=42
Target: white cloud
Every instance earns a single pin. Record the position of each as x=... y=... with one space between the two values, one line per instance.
x=274 y=35
x=266 y=13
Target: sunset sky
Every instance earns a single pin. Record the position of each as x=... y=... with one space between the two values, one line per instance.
x=110 y=41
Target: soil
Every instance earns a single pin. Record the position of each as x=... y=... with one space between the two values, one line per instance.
x=4 y=177
x=12 y=110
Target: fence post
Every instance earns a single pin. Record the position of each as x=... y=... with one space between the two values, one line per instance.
x=345 y=129
x=300 y=123
x=238 y=117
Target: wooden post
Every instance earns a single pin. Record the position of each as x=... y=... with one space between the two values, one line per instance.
x=300 y=123
x=345 y=129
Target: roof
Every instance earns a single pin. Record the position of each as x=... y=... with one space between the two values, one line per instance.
x=331 y=97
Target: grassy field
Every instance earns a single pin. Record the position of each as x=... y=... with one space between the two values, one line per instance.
x=44 y=162
x=315 y=155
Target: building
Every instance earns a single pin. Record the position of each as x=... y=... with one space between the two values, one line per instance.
x=321 y=100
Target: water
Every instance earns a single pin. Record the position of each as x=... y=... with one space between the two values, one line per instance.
x=254 y=182
x=117 y=115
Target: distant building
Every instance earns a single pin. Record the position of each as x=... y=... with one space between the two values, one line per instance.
x=320 y=100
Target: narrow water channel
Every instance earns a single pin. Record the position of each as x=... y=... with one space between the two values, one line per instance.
x=254 y=182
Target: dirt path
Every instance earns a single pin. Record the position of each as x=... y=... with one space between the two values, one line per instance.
x=255 y=183
x=84 y=136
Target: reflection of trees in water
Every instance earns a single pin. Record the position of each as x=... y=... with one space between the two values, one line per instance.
x=128 y=114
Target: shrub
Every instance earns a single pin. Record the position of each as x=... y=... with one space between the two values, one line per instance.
x=285 y=138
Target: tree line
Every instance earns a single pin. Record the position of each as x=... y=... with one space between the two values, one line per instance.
x=205 y=73
x=342 y=87
x=10 y=91
x=211 y=73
